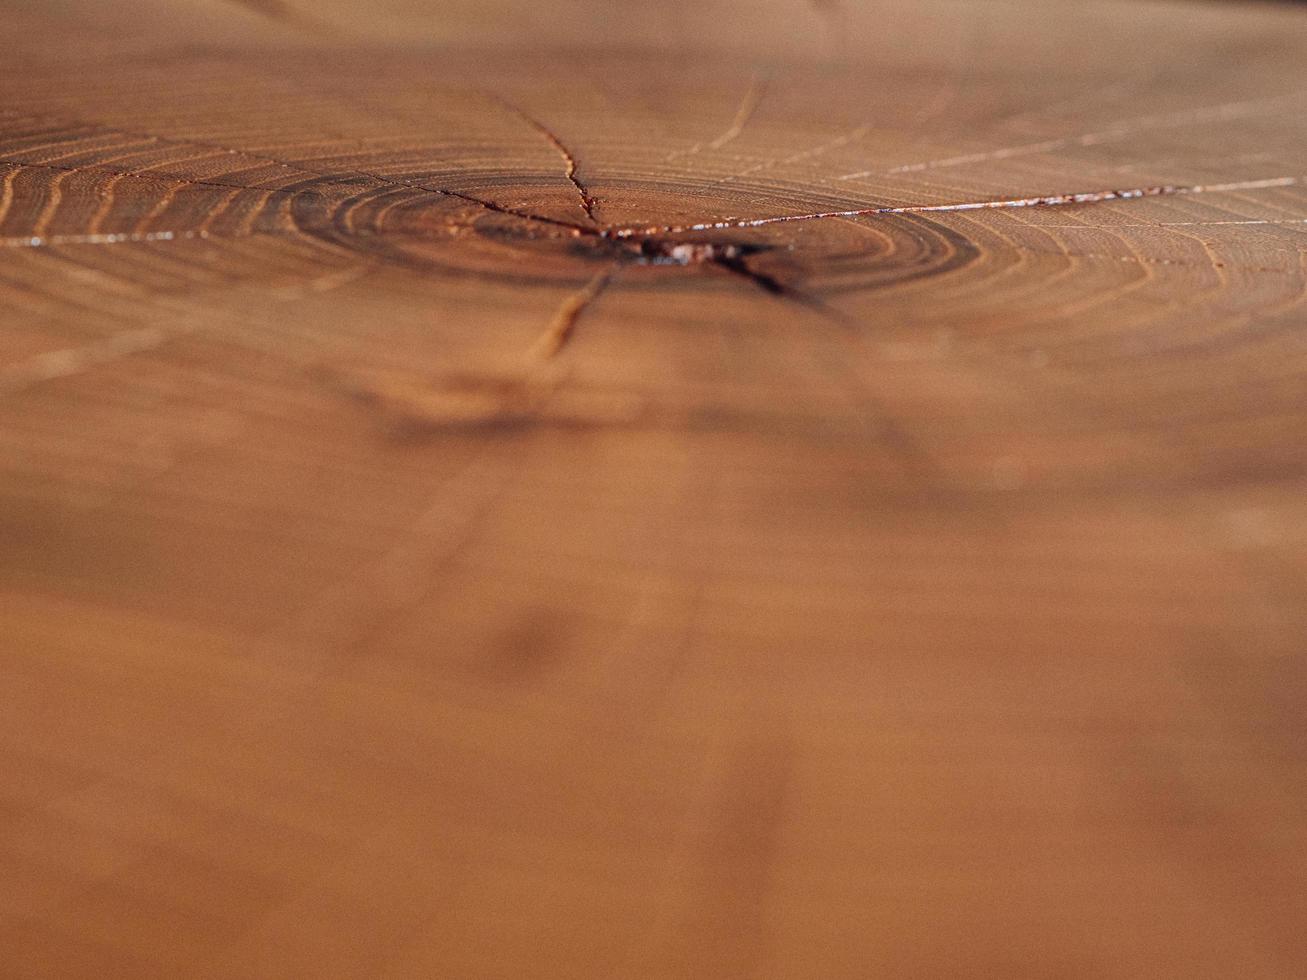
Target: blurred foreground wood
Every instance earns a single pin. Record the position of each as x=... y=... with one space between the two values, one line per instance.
x=594 y=489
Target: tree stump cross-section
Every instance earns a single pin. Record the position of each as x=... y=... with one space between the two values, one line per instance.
x=707 y=489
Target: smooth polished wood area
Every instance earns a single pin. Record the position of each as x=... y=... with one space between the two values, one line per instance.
x=594 y=489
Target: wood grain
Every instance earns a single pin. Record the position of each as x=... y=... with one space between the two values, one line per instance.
x=598 y=489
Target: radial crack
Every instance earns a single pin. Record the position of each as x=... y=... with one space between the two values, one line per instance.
x=1054 y=200
x=893 y=436
x=588 y=201
x=738 y=264
x=563 y=325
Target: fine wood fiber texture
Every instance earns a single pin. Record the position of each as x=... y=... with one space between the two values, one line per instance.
x=622 y=490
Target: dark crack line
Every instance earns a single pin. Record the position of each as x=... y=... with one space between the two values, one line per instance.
x=486 y=203
x=767 y=283
x=588 y=201
x=739 y=266
x=490 y=205
x=915 y=461
x=735 y=264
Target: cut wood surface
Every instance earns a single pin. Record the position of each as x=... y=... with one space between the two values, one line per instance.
x=718 y=489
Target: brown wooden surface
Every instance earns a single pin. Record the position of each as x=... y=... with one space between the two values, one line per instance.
x=419 y=559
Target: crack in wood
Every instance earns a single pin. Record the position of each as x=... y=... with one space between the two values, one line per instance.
x=892 y=435
x=563 y=325
x=729 y=257
x=772 y=286
x=528 y=526
x=1054 y=200
x=266 y=158
x=588 y=201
